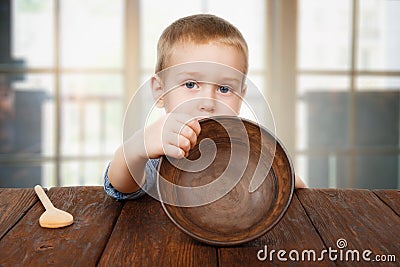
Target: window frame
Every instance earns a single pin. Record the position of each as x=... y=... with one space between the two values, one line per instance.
x=353 y=74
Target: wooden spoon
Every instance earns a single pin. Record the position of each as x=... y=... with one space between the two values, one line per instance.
x=52 y=217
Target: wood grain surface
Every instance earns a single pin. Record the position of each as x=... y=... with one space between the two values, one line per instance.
x=80 y=244
x=294 y=232
x=14 y=204
x=391 y=198
x=143 y=236
x=138 y=233
x=357 y=216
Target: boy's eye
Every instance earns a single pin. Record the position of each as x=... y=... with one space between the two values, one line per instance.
x=224 y=89
x=191 y=85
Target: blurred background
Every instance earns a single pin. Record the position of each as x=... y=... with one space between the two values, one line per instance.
x=330 y=70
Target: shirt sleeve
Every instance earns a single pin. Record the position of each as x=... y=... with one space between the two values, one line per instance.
x=150 y=180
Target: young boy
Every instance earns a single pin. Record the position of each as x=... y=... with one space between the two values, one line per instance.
x=197 y=38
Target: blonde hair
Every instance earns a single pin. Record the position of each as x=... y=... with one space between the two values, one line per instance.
x=199 y=29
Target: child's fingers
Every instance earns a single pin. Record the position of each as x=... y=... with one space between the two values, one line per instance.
x=181 y=130
x=173 y=151
x=190 y=121
x=179 y=141
x=184 y=143
x=195 y=125
x=188 y=133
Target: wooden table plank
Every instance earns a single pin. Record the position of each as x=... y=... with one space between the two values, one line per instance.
x=81 y=244
x=391 y=198
x=294 y=232
x=358 y=216
x=14 y=204
x=144 y=236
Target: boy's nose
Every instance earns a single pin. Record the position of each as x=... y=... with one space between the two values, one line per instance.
x=207 y=99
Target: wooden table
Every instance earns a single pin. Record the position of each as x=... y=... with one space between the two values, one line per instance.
x=138 y=233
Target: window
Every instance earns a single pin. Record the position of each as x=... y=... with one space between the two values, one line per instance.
x=348 y=93
x=329 y=69
x=62 y=87
x=68 y=69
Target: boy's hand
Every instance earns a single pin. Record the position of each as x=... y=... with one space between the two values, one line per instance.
x=172 y=135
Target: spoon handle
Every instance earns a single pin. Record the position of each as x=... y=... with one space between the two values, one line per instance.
x=43 y=197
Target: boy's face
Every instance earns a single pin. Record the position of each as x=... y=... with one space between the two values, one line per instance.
x=204 y=80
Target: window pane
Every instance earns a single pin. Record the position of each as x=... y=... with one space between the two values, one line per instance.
x=322 y=83
x=379 y=35
x=26 y=29
x=324 y=171
x=92 y=33
x=324 y=34
x=377 y=171
x=377 y=119
x=322 y=112
x=92 y=113
x=22 y=174
x=83 y=172
x=113 y=120
x=155 y=16
x=301 y=168
x=325 y=120
x=48 y=174
x=377 y=83
x=26 y=115
x=70 y=172
x=251 y=22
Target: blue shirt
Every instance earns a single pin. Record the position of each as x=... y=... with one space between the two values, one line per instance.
x=150 y=181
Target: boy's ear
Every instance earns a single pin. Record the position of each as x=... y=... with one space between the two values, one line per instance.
x=244 y=91
x=157 y=90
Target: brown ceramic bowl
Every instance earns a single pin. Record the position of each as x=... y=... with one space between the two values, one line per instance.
x=228 y=214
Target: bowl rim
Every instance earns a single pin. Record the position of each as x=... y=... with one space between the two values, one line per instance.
x=250 y=238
